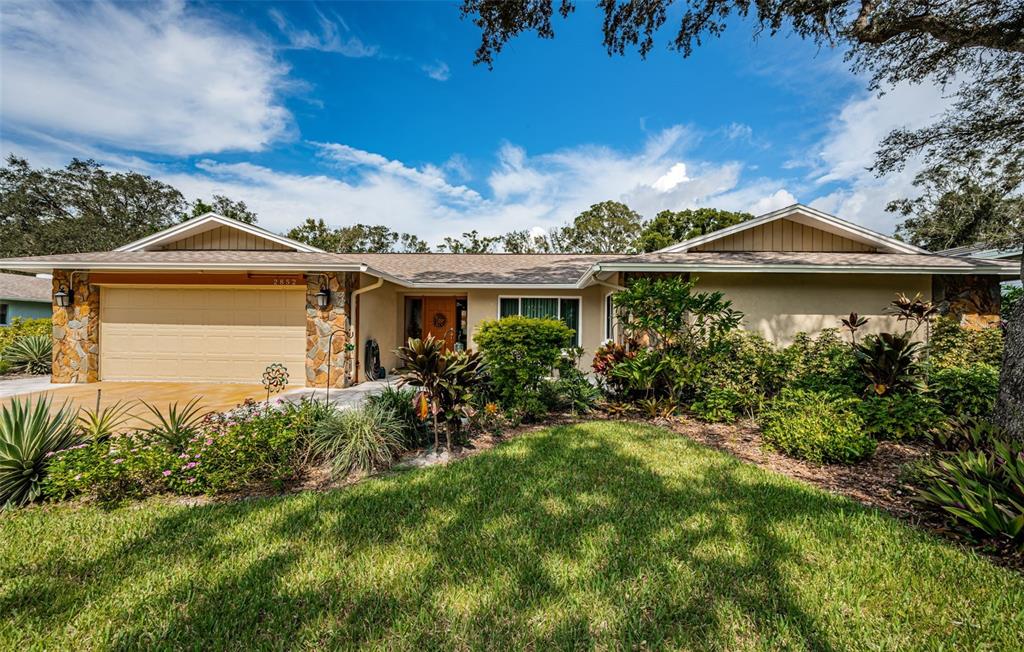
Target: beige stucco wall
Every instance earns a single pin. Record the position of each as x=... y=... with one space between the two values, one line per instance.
x=780 y=305
x=382 y=314
x=380 y=318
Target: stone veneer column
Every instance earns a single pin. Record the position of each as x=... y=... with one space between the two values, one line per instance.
x=319 y=326
x=76 y=330
x=971 y=299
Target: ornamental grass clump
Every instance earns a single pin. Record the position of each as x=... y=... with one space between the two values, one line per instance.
x=32 y=354
x=366 y=439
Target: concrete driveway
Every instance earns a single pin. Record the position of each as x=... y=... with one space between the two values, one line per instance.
x=213 y=396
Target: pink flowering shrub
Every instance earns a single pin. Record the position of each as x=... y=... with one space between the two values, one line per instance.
x=113 y=469
x=234 y=451
x=228 y=452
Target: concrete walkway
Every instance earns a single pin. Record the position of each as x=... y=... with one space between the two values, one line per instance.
x=26 y=385
x=344 y=398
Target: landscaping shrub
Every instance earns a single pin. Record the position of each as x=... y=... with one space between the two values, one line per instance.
x=520 y=353
x=640 y=373
x=720 y=404
x=29 y=436
x=824 y=363
x=20 y=327
x=952 y=345
x=816 y=426
x=736 y=375
x=234 y=451
x=889 y=363
x=896 y=417
x=364 y=439
x=101 y=423
x=969 y=390
x=112 y=469
x=31 y=354
x=607 y=356
x=401 y=402
x=981 y=492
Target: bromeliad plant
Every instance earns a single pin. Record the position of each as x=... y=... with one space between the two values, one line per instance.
x=29 y=436
x=445 y=380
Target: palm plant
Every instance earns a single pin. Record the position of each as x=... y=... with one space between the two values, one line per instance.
x=97 y=424
x=29 y=436
x=175 y=426
x=32 y=354
x=889 y=362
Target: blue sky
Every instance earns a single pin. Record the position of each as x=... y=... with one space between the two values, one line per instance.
x=375 y=113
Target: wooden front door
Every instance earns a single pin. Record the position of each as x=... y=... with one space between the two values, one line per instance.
x=439 y=319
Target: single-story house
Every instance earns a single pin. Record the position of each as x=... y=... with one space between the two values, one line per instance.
x=25 y=297
x=212 y=299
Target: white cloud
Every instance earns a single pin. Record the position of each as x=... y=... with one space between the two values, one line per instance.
x=329 y=39
x=847 y=152
x=778 y=199
x=135 y=78
x=438 y=70
x=675 y=176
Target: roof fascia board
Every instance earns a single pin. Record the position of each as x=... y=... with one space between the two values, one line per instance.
x=176 y=267
x=847 y=228
x=812 y=269
x=181 y=230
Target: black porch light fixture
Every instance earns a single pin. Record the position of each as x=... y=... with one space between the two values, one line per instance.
x=62 y=297
x=323 y=298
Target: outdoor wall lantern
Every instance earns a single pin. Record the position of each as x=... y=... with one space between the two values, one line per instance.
x=323 y=298
x=62 y=297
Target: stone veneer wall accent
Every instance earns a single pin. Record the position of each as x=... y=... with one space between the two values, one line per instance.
x=321 y=323
x=76 y=330
x=972 y=299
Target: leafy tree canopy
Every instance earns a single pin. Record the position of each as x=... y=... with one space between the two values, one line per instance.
x=357 y=238
x=470 y=243
x=79 y=208
x=963 y=205
x=669 y=227
x=236 y=210
x=609 y=227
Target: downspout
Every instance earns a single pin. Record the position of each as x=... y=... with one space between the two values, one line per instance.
x=356 y=307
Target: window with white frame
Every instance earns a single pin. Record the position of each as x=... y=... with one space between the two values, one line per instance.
x=565 y=309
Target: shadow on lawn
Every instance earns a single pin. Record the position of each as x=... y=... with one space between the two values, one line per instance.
x=561 y=539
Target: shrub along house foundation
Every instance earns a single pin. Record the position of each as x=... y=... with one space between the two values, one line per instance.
x=216 y=300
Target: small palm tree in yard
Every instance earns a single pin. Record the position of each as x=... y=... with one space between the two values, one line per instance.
x=29 y=436
x=31 y=354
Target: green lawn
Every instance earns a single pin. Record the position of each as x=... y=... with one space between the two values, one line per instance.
x=600 y=535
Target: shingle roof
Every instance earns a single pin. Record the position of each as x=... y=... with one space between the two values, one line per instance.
x=826 y=260
x=509 y=269
x=484 y=269
x=25 y=288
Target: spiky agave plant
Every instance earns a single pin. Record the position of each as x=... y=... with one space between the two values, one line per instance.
x=177 y=424
x=32 y=354
x=29 y=435
x=101 y=423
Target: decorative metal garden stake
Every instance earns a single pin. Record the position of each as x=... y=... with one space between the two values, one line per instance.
x=275 y=378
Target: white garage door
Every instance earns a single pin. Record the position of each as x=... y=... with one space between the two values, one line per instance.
x=201 y=335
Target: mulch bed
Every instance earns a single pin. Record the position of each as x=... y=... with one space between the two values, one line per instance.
x=876 y=482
